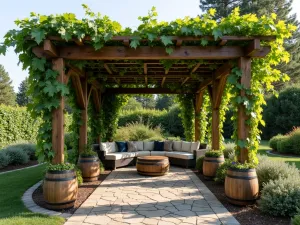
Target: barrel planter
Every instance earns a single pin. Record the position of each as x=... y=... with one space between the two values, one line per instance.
x=241 y=186
x=60 y=189
x=90 y=167
x=210 y=166
x=152 y=165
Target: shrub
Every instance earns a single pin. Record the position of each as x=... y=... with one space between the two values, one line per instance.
x=294 y=139
x=296 y=220
x=222 y=171
x=138 y=131
x=199 y=164
x=281 y=197
x=68 y=140
x=284 y=145
x=102 y=169
x=28 y=148
x=273 y=143
x=229 y=149
x=78 y=175
x=268 y=169
x=213 y=153
x=173 y=138
x=4 y=159
x=60 y=167
x=17 y=156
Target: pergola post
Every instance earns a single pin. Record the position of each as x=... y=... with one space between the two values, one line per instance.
x=244 y=64
x=198 y=106
x=84 y=116
x=58 y=116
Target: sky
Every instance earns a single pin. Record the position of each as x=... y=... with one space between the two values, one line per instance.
x=125 y=12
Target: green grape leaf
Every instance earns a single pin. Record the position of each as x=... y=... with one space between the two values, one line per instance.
x=63 y=89
x=217 y=33
x=51 y=74
x=166 y=40
x=185 y=30
x=241 y=143
x=3 y=49
x=204 y=42
x=38 y=35
x=64 y=34
x=231 y=79
x=169 y=50
x=98 y=45
x=107 y=36
x=38 y=64
x=197 y=32
x=135 y=42
x=50 y=89
x=151 y=36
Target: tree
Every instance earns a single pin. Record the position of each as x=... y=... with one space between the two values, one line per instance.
x=7 y=94
x=283 y=10
x=164 y=102
x=22 y=97
x=147 y=101
x=132 y=104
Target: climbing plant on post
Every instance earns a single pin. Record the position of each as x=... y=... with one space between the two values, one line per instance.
x=187 y=115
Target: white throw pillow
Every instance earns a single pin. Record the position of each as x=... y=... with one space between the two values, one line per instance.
x=177 y=145
x=139 y=145
x=148 y=145
x=195 y=146
x=108 y=147
x=186 y=146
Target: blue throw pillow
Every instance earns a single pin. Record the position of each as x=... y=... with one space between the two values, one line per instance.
x=158 y=145
x=122 y=146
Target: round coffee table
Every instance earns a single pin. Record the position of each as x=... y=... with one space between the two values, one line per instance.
x=152 y=165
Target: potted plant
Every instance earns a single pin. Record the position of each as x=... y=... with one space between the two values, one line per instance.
x=89 y=165
x=241 y=184
x=212 y=160
x=60 y=186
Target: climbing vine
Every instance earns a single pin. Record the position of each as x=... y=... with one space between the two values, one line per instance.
x=204 y=117
x=98 y=30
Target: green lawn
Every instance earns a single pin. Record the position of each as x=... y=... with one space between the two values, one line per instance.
x=264 y=147
x=12 y=187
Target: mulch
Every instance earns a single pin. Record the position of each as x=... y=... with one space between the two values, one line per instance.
x=84 y=191
x=284 y=154
x=247 y=215
x=14 y=167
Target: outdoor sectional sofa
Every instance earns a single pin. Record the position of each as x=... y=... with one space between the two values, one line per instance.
x=180 y=153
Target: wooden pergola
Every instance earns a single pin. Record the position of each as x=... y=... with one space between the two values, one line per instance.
x=117 y=66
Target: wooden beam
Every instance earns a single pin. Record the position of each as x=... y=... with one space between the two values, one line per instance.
x=126 y=43
x=198 y=105
x=96 y=100
x=144 y=91
x=163 y=81
x=84 y=117
x=223 y=42
x=220 y=85
x=116 y=80
x=145 y=68
x=58 y=116
x=195 y=68
x=76 y=70
x=107 y=68
x=185 y=80
x=242 y=127
x=79 y=42
x=252 y=48
x=178 y=42
x=154 y=53
x=146 y=81
x=78 y=91
x=50 y=49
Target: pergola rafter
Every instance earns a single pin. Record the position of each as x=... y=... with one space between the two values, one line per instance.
x=119 y=69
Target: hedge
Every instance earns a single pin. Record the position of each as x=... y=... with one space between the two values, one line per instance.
x=17 y=124
x=169 y=120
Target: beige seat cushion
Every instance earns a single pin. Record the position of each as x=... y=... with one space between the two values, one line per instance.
x=195 y=146
x=143 y=153
x=108 y=147
x=177 y=145
x=139 y=145
x=180 y=155
x=186 y=146
x=158 y=153
x=148 y=145
x=168 y=145
x=120 y=155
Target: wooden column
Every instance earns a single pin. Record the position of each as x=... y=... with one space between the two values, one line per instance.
x=84 y=117
x=244 y=64
x=198 y=106
x=58 y=117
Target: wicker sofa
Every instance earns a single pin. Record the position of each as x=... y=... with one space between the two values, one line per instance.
x=181 y=153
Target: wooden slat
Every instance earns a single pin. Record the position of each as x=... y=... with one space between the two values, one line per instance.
x=58 y=117
x=153 y=53
x=126 y=43
x=146 y=81
x=50 y=49
x=96 y=100
x=84 y=118
x=223 y=42
x=178 y=42
x=220 y=85
x=79 y=42
x=253 y=47
x=195 y=68
x=107 y=68
x=198 y=105
x=144 y=91
x=145 y=68
x=76 y=70
x=242 y=128
x=116 y=80
x=163 y=81
x=185 y=80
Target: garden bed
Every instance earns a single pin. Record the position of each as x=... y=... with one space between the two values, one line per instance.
x=249 y=215
x=15 y=167
x=84 y=191
x=283 y=154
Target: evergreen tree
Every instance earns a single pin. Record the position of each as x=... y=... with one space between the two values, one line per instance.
x=7 y=94
x=265 y=7
x=164 y=102
x=22 y=97
x=147 y=101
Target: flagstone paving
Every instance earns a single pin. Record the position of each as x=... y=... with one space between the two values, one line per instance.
x=126 y=197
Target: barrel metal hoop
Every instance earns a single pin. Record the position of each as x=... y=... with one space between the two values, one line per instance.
x=60 y=179
x=240 y=200
x=88 y=160
x=242 y=170
x=60 y=203
x=151 y=163
x=242 y=177
x=60 y=171
x=215 y=160
x=91 y=177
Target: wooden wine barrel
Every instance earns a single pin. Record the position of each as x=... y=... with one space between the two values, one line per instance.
x=152 y=165
x=241 y=186
x=210 y=166
x=90 y=168
x=60 y=189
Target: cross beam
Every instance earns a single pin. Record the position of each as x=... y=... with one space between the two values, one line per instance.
x=144 y=91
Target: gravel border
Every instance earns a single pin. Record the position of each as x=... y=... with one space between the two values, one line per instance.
x=30 y=204
x=283 y=156
x=21 y=168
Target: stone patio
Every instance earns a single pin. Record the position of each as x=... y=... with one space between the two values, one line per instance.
x=128 y=198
